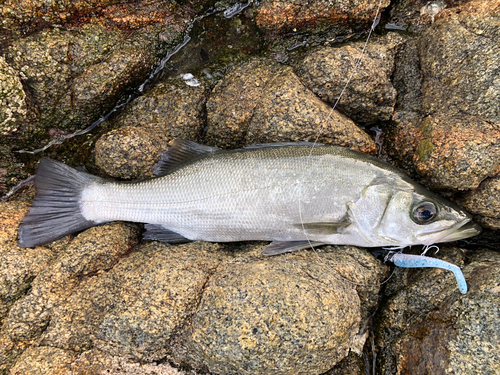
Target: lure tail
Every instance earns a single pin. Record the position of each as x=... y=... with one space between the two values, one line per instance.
x=55 y=211
x=420 y=261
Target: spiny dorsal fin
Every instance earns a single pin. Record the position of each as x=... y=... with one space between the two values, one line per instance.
x=181 y=152
x=281 y=144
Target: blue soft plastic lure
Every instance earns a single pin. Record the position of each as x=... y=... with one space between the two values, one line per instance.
x=421 y=261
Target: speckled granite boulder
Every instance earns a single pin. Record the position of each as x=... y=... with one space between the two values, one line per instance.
x=12 y=99
x=292 y=314
x=18 y=267
x=484 y=202
x=93 y=251
x=274 y=106
x=281 y=16
x=370 y=96
x=171 y=110
x=136 y=308
x=428 y=326
x=457 y=152
x=448 y=115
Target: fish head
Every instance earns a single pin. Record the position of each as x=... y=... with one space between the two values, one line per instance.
x=388 y=215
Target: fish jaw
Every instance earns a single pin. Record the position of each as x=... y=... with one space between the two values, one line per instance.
x=464 y=229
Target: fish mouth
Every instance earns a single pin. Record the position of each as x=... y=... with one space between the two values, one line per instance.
x=461 y=230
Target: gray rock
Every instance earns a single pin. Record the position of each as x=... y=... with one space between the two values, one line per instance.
x=292 y=314
x=171 y=110
x=484 y=202
x=274 y=106
x=427 y=324
x=369 y=97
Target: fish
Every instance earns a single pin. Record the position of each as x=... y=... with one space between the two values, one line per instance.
x=295 y=195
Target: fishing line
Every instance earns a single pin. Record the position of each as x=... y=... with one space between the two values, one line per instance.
x=376 y=20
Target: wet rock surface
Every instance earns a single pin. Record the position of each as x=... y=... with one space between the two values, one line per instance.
x=430 y=326
x=484 y=202
x=447 y=108
x=72 y=75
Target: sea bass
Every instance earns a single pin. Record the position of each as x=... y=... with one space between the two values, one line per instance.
x=292 y=194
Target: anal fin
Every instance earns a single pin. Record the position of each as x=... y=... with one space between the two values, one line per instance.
x=280 y=247
x=157 y=232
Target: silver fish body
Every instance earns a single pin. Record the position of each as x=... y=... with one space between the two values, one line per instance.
x=287 y=193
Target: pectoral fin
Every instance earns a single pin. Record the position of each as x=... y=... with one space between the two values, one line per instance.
x=280 y=247
x=324 y=228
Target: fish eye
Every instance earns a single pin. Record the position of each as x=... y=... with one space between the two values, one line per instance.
x=424 y=212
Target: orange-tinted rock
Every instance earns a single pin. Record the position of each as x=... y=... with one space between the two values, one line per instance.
x=283 y=16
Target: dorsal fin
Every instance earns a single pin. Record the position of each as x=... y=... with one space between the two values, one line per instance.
x=181 y=152
x=281 y=144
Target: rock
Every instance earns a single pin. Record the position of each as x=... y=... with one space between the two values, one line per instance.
x=429 y=325
x=33 y=15
x=66 y=72
x=93 y=251
x=460 y=64
x=457 y=152
x=12 y=99
x=171 y=110
x=228 y=119
x=416 y=16
x=18 y=267
x=136 y=308
x=282 y=315
x=129 y=152
x=369 y=97
x=279 y=16
x=484 y=202
x=447 y=113
x=43 y=361
x=274 y=106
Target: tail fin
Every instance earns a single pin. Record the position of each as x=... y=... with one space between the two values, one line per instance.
x=55 y=211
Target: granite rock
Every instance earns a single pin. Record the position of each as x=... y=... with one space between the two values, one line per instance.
x=93 y=251
x=171 y=110
x=447 y=112
x=281 y=315
x=281 y=16
x=274 y=106
x=428 y=326
x=370 y=96
x=484 y=202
